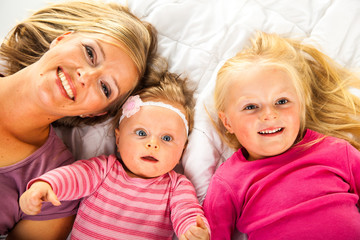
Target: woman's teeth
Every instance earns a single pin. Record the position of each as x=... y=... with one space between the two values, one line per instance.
x=270 y=131
x=66 y=84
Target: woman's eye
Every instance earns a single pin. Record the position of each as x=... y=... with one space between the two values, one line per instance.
x=140 y=133
x=90 y=53
x=166 y=138
x=282 y=101
x=250 y=107
x=106 y=90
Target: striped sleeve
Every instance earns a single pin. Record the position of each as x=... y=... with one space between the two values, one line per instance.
x=185 y=206
x=79 y=179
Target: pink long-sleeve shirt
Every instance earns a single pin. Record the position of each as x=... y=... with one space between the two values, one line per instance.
x=116 y=206
x=305 y=193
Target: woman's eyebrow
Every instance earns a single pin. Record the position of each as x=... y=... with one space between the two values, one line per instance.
x=101 y=49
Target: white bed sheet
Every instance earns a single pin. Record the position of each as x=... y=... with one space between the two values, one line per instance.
x=197 y=36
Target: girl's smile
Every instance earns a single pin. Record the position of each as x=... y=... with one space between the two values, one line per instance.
x=271 y=131
x=266 y=119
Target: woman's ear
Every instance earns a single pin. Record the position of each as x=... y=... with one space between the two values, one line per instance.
x=224 y=119
x=101 y=114
x=93 y=115
x=59 y=38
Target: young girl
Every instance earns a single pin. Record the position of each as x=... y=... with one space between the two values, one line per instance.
x=287 y=108
x=138 y=196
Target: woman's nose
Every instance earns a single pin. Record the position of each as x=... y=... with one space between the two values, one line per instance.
x=87 y=76
x=152 y=144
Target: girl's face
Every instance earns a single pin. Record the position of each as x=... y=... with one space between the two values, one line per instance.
x=82 y=75
x=151 y=141
x=263 y=111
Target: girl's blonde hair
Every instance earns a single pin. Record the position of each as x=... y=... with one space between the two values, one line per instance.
x=327 y=105
x=30 y=39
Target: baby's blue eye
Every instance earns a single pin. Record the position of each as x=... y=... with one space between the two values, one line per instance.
x=166 y=138
x=282 y=101
x=250 y=107
x=141 y=133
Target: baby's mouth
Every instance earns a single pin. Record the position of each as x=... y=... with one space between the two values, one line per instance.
x=65 y=84
x=267 y=132
x=149 y=158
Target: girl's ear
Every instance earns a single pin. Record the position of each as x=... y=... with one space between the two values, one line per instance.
x=224 y=119
x=59 y=38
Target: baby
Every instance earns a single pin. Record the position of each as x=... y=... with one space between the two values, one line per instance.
x=138 y=195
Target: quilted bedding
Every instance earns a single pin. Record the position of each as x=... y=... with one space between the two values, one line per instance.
x=197 y=36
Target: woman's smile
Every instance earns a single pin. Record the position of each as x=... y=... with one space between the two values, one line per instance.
x=66 y=83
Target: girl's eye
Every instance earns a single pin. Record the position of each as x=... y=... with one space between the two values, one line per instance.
x=90 y=53
x=106 y=90
x=250 y=107
x=140 y=133
x=282 y=101
x=166 y=138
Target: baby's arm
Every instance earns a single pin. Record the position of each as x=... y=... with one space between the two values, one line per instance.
x=198 y=231
x=31 y=200
x=187 y=214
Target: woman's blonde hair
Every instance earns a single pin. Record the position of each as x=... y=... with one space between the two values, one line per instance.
x=327 y=105
x=30 y=39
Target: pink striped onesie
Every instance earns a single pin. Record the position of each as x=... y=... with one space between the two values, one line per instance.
x=116 y=206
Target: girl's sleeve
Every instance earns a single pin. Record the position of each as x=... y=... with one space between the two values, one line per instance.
x=184 y=207
x=354 y=165
x=220 y=209
x=79 y=179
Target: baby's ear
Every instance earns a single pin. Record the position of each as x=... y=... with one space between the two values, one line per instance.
x=224 y=119
x=117 y=135
x=60 y=38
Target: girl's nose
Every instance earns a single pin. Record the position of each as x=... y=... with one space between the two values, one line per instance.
x=152 y=144
x=269 y=113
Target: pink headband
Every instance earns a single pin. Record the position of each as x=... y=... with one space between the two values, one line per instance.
x=133 y=104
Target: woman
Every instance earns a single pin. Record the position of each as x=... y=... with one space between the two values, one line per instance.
x=68 y=63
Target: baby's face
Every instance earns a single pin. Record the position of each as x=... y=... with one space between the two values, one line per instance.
x=151 y=141
x=263 y=111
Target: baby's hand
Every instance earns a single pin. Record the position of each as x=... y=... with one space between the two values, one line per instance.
x=31 y=200
x=199 y=231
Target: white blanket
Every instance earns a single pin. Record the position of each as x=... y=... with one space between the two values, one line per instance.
x=197 y=36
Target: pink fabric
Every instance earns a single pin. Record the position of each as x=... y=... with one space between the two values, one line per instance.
x=13 y=180
x=117 y=206
x=301 y=194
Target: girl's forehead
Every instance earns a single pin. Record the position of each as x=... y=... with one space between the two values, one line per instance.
x=258 y=82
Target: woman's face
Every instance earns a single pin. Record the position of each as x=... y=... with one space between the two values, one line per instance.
x=82 y=74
